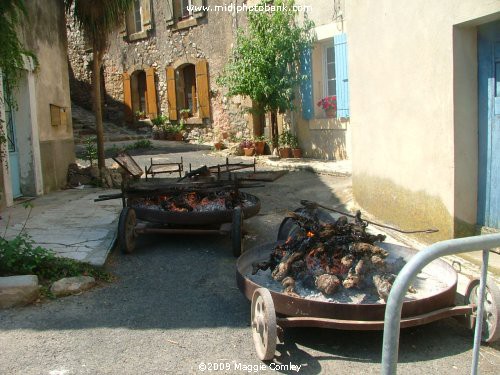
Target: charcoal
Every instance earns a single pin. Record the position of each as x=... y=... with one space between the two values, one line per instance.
x=329 y=256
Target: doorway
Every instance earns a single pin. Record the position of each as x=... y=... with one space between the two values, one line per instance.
x=489 y=124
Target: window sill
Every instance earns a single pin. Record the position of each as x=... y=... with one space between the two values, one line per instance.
x=193 y=121
x=137 y=36
x=186 y=23
x=328 y=124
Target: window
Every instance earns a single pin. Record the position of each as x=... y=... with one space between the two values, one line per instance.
x=186 y=10
x=187 y=87
x=137 y=21
x=179 y=14
x=137 y=16
x=329 y=71
x=139 y=94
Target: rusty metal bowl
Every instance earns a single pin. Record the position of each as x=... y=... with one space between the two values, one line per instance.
x=442 y=298
x=198 y=218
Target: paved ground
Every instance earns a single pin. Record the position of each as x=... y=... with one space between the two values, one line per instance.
x=68 y=222
x=175 y=305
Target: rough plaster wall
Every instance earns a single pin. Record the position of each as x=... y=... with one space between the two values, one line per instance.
x=402 y=109
x=46 y=37
x=212 y=39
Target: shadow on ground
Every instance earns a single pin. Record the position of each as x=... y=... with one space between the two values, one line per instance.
x=187 y=283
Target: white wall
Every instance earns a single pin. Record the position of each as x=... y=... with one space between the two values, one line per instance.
x=414 y=107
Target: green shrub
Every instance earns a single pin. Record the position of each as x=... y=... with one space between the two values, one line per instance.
x=19 y=256
x=90 y=151
x=160 y=120
x=142 y=143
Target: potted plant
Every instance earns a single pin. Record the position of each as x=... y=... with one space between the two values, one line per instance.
x=218 y=145
x=140 y=115
x=185 y=112
x=294 y=144
x=260 y=144
x=284 y=142
x=158 y=126
x=329 y=105
x=248 y=147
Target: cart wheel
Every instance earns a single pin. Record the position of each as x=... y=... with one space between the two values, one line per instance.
x=264 y=329
x=126 y=230
x=236 y=231
x=491 y=319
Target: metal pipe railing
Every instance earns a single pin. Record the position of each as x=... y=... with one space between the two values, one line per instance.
x=406 y=276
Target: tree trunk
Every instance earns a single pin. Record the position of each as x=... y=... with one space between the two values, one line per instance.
x=274 y=128
x=96 y=88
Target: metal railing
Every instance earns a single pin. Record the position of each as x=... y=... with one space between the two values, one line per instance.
x=407 y=274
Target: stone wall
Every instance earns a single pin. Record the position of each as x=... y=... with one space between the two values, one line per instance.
x=211 y=38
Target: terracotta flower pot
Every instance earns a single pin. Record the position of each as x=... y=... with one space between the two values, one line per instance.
x=330 y=112
x=285 y=152
x=249 y=151
x=297 y=152
x=259 y=147
x=218 y=145
x=178 y=137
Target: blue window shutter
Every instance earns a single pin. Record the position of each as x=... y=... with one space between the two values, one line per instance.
x=306 y=85
x=341 y=75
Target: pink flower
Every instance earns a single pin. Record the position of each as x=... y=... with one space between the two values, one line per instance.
x=328 y=102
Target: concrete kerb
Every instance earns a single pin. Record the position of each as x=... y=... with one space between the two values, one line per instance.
x=340 y=168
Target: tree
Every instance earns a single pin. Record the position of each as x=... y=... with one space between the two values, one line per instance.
x=265 y=60
x=97 y=19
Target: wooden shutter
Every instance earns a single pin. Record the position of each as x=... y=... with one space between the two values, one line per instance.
x=306 y=90
x=169 y=12
x=147 y=22
x=171 y=95
x=199 y=12
x=202 y=88
x=151 y=93
x=341 y=75
x=127 y=98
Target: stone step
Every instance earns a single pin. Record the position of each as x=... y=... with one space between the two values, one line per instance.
x=18 y=290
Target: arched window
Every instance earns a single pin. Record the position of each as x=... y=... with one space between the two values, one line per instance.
x=139 y=94
x=188 y=88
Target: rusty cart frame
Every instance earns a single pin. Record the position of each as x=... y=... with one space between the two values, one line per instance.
x=135 y=220
x=272 y=312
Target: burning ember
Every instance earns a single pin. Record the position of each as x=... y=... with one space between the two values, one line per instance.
x=331 y=257
x=193 y=201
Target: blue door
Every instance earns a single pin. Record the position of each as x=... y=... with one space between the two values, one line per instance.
x=489 y=124
x=14 y=168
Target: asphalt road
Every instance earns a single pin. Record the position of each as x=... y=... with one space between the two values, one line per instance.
x=175 y=308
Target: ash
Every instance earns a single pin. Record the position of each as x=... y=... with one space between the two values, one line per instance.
x=423 y=286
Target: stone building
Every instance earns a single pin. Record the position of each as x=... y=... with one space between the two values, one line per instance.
x=38 y=127
x=164 y=59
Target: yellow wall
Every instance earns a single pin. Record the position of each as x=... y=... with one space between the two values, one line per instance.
x=413 y=101
x=322 y=137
